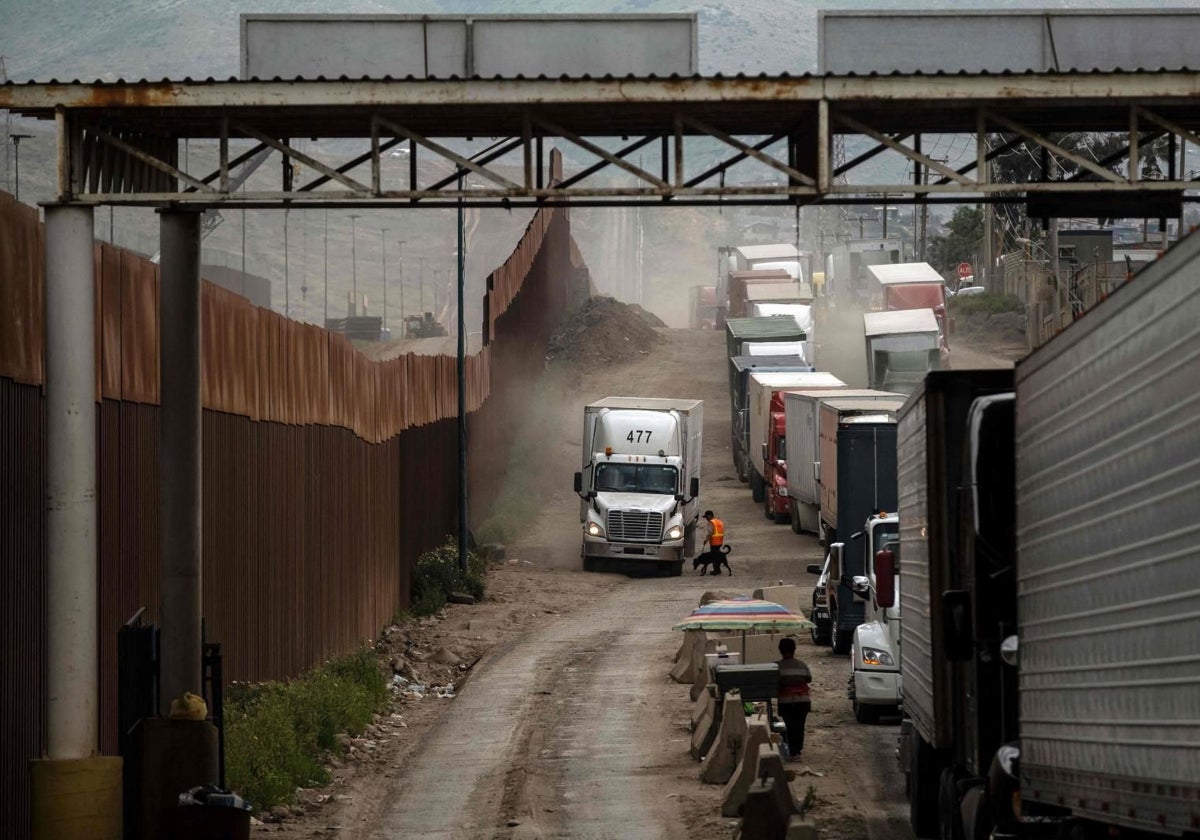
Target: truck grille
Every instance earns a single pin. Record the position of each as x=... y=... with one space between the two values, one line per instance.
x=634 y=526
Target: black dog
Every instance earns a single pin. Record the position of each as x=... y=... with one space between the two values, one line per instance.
x=714 y=557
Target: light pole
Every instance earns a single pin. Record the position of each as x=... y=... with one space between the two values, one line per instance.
x=383 y=232
x=400 y=261
x=326 y=271
x=16 y=141
x=354 y=217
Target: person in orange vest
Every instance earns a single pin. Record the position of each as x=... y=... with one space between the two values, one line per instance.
x=715 y=551
x=715 y=536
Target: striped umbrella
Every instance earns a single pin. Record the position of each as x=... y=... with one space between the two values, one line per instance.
x=744 y=614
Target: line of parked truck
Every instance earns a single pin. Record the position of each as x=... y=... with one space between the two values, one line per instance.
x=1044 y=650
x=1047 y=635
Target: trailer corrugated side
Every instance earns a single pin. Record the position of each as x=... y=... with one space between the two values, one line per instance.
x=1108 y=523
x=929 y=451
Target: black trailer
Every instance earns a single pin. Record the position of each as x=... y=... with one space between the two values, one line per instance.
x=858 y=479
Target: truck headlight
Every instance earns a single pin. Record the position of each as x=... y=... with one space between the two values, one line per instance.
x=782 y=492
x=594 y=529
x=675 y=532
x=875 y=656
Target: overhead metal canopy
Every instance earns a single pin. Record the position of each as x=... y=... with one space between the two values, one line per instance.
x=119 y=143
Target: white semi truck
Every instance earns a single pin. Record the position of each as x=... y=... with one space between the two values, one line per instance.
x=640 y=483
x=874 y=683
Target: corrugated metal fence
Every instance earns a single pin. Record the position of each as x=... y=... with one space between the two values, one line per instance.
x=325 y=474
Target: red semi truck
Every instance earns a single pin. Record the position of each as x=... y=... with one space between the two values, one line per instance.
x=913 y=286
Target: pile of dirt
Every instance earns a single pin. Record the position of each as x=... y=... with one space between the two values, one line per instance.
x=605 y=331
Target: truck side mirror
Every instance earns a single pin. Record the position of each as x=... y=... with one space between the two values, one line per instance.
x=578 y=482
x=835 y=560
x=885 y=577
x=764 y=453
x=860 y=585
x=817 y=471
x=957 y=638
x=814 y=568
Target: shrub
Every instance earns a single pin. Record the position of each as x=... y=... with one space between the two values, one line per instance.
x=276 y=733
x=438 y=574
x=986 y=302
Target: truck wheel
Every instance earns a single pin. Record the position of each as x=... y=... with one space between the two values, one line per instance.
x=865 y=714
x=839 y=639
x=820 y=633
x=923 y=779
x=758 y=487
x=794 y=519
x=950 y=825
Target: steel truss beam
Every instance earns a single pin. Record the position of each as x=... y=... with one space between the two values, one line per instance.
x=119 y=143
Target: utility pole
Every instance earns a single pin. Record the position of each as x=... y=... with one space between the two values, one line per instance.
x=924 y=229
x=287 y=278
x=421 y=298
x=400 y=260
x=326 y=270
x=354 y=217
x=16 y=141
x=383 y=232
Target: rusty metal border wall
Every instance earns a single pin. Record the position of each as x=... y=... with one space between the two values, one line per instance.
x=295 y=569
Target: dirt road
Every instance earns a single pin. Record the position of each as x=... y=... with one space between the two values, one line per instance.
x=570 y=727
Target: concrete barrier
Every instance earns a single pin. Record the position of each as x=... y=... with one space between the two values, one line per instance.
x=787 y=595
x=682 y=672
x=706 y=730
x=685 y=647
x=769 y=810
x=700 y=675
x=758 y=732
x=722 y=757
x=702 y=706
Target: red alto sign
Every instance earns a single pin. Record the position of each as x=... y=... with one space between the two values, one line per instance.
x=965 y=270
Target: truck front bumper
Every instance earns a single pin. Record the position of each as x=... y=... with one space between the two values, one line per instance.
x=650 y=552
x=876 y=688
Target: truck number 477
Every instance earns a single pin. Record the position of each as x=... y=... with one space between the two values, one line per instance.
x=639 y=439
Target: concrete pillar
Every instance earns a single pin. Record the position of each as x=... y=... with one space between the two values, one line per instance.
x=73 y=669
x=179 y=452
x=72 y=773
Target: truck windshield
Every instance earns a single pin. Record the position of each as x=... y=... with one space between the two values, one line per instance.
x=637 y=478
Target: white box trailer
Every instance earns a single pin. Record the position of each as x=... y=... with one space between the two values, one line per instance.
x=639 y=483
x=1108 y=604
x=802 y=410
x=761 y=387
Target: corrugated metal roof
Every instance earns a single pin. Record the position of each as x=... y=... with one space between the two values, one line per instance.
x=900 y=273
x=900 y=321
x=674 y=77
x=771 y=327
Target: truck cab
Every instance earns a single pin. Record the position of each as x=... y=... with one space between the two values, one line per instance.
x=874 y=684
x=902 y=347
x=639 y=484
x=775 y=478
